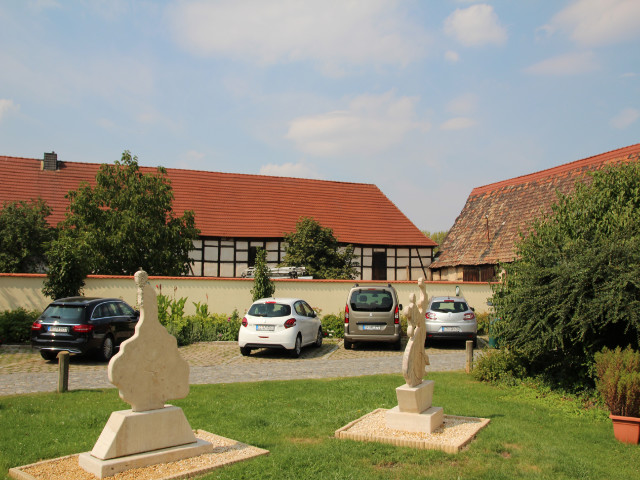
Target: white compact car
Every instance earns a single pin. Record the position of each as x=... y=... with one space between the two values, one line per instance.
x=288 y=323
x=451 y=318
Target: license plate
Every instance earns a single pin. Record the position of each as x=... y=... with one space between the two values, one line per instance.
x=451 y=329
x=55 y=329
x=265 y=328
x=373 y=327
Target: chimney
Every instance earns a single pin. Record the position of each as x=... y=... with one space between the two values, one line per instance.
x=50 y=161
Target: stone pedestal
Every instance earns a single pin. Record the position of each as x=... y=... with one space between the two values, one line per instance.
x=138 y=439
x=414 y=412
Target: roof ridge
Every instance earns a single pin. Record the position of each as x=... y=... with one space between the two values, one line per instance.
x=565 y=167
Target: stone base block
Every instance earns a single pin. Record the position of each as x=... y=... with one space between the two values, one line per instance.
x=128 y=432
x=415 y=399
x=105 y=468
x=426 y=421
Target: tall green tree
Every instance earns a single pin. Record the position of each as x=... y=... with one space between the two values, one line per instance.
x=263 y=286
x=24 y=233
x=314 y=247
x=69 y=264
x=127 y=221
x=575 y=285
x=437 y=237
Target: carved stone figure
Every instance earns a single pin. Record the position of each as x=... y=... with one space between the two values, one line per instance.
x=415 y=357
x=149 y=369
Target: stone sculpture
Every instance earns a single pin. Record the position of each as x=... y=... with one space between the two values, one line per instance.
x=415 y=357
x=148 y=370
x=160 y=372
x=414 y=412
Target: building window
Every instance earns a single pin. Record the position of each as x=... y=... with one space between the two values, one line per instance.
x=379 y=266
x=253 y=251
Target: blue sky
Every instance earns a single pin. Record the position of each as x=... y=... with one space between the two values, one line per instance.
x=425 y=99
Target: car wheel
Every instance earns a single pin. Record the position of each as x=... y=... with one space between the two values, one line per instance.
x=48 y=355
x=318 y=342
x=295 y=353
x=475 y=342
x=106 y=352
x=347 y=344
x=398 y=344
x=245 y=351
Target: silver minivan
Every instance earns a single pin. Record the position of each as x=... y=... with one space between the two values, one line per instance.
x=451 y=318
x=372 y=314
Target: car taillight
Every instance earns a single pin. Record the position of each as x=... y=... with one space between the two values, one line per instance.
x=346 y=314
x=36 y=327
x=244 y=322
x=290 y=323
x=469 y=316
x=82 y=328
x=430 y=316
x=396 y=316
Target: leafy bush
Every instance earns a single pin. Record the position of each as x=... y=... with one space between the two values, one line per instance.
x=498 y=366
x=618 y=380
x=201 y=327
x=484 y=320
x=333 y=325
x=575 y=285
x=15 y=325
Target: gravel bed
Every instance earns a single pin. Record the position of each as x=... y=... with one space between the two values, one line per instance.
x=225 y=452
x=452 y=436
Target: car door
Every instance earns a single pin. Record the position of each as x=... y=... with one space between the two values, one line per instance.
x=129 y=320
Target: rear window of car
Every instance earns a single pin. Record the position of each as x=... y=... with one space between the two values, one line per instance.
x=269 y=310
x=371 y=301
x=64 y=313
x=449 y=306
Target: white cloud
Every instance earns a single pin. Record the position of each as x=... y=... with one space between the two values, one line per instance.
x=475 y=26
x=299 y=170
x=369 y=124
x=451 y=56
x=599 y=22
x=562 y=65
x=463 y=104
x=331 y=32
x=7 y=107
x=458 y=123
x=625 y=118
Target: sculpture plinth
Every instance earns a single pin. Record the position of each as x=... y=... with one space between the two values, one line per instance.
x=148 y=370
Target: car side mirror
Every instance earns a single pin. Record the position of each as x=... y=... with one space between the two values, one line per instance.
x=399 y=306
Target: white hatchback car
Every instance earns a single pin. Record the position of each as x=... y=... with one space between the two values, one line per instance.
x=288 y=323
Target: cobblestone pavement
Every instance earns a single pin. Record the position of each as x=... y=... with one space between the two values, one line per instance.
x=22 y=370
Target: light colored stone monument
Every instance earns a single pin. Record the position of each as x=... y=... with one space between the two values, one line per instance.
x=148 y=370
x=414 y=412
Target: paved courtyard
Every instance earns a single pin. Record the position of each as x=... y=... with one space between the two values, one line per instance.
x=22 y=370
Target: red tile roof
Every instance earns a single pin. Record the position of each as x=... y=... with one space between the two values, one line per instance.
x=237 y=205
x=501 y=210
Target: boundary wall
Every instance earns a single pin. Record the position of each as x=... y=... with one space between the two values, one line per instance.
x=223 y=295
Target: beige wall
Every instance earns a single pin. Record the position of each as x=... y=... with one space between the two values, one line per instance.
x=223 y=295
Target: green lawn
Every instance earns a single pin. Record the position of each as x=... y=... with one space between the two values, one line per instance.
x=530 y=435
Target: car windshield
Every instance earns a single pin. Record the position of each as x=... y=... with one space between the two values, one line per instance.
x=371 y=301
x=449 y=306
x=269 y=310
x=64 y=313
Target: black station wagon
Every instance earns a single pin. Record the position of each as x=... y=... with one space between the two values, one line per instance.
x=81 y=325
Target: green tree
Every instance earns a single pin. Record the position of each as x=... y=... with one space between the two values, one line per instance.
x=69 y=265
x=314 y=247
x=24 y=233
x=575 y=285
x=127 y=222
x=263 y=286
x=437 y=237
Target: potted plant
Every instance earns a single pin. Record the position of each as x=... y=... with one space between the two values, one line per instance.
x=618 y=383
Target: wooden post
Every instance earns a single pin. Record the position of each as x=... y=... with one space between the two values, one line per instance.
x=469 y=365
x=63 y=372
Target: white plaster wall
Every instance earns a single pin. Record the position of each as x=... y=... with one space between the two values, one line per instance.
x=224 y=295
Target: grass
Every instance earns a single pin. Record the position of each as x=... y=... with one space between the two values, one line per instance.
x=532 y=435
